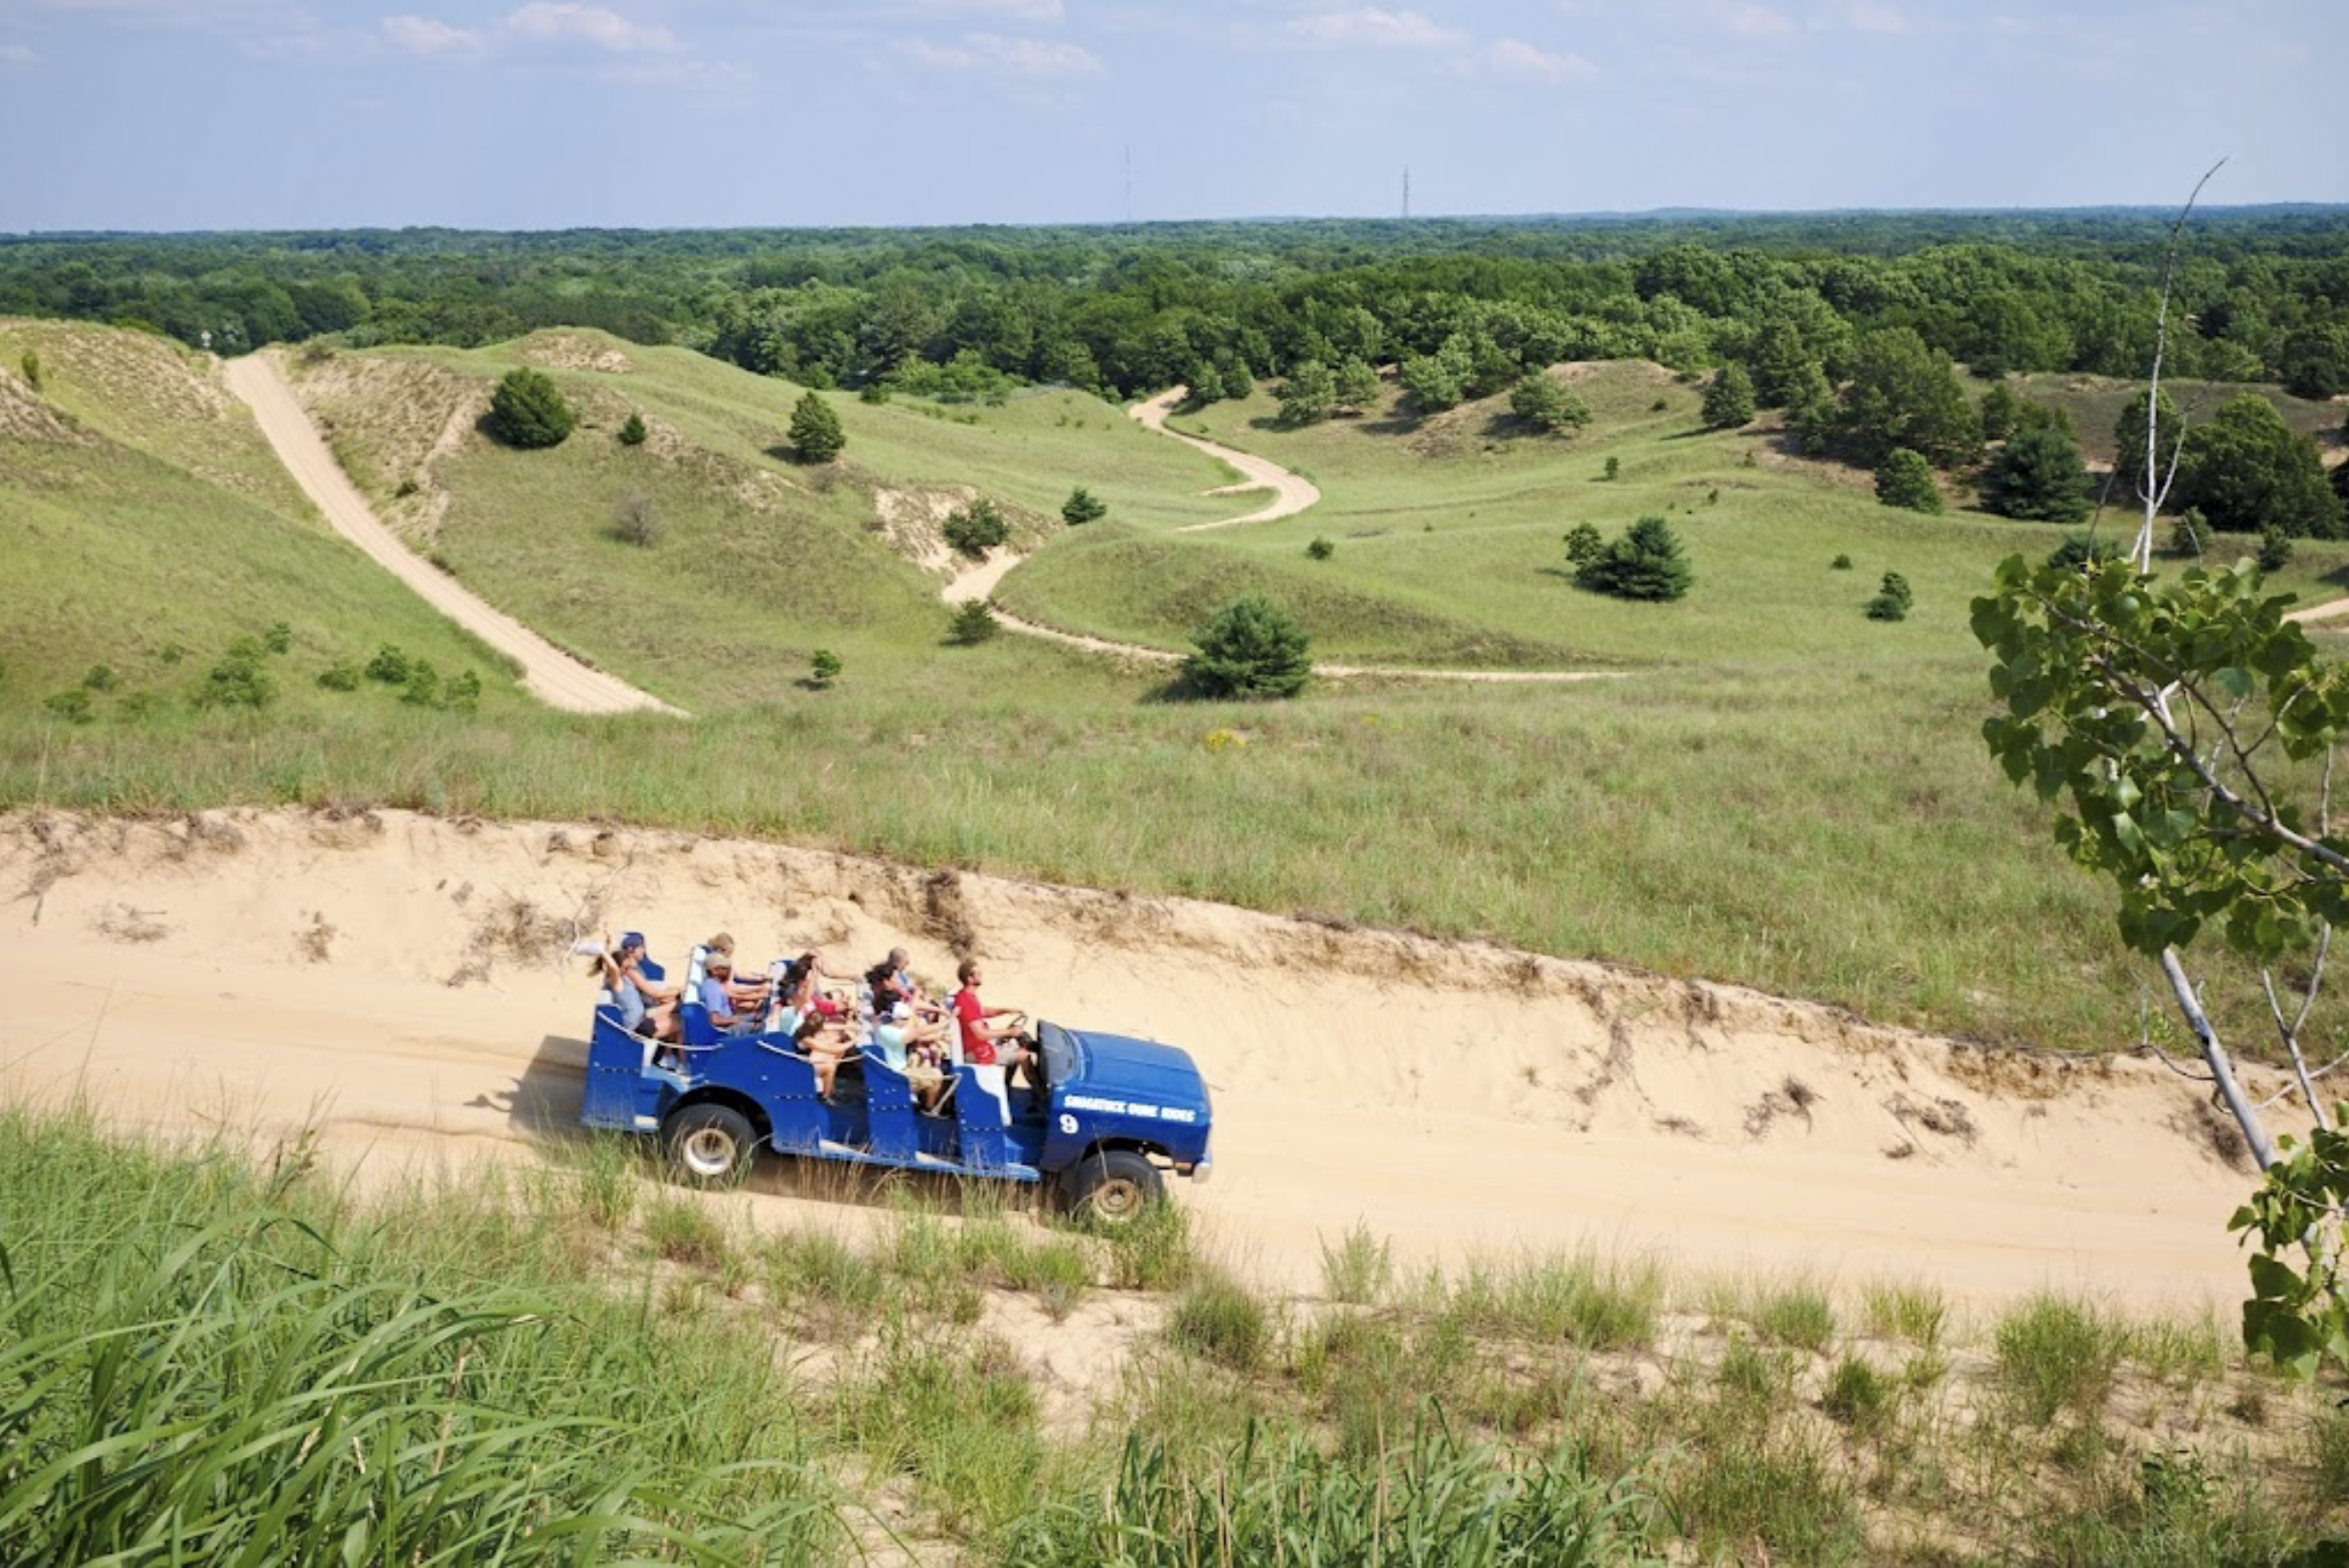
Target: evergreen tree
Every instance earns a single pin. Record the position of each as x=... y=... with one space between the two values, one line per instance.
x=1905 y=479
x=2190 y=534
x=527 y=411
x=1647 y=563
x=1546 y=405
x=1999 y=410
x=823 y=668
x=1728 y=401
x=2246 y=470
x=2129 y=447
x=1307 y=394
x=1903 y=393
x=971 y=623
x=1440 y=380
x=1249 y=648
x=633 y=431
x=1082 y=506
x=2037 y=476
x=1893 y=599
x=1584 y=543
x=816 y=433
x=1357 y=385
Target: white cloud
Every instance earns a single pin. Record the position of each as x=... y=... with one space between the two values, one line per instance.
x=1759 y=22
x=1370 y=28
x=1875 y=16
x=552 y=21
x=433 y=40
x=1007 y=56
x=17 y=55
x=1515 y=58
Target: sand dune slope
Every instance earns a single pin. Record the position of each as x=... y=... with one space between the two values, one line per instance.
x=399 y=981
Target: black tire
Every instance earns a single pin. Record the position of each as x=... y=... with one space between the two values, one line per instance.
x=1114 y=1187
x=709 y=1145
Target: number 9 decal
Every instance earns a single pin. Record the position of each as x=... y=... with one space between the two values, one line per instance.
x=1068 y=1124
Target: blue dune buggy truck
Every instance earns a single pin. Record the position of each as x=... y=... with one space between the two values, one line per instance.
x=1103 y=1120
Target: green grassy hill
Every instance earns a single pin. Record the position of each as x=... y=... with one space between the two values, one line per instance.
x=149 y=526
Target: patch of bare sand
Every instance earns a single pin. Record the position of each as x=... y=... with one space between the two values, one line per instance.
x=1458 y=1098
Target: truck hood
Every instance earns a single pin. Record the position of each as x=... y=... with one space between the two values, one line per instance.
x=1121 y=1067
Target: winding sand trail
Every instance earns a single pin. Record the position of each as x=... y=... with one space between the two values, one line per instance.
x=549 y=674
x=1291 y=494
x=400 y=984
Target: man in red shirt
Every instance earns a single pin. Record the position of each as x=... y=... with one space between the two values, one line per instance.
x=981 y=1030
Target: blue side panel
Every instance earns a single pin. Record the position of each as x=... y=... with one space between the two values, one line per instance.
x=980 y=1122
x=623 y=1090
x=889 y=1113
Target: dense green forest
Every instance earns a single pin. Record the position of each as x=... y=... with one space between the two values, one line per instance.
x=1122 y=310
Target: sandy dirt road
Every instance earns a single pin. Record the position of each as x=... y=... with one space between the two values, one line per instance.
x=1291 y=494
x=398 y=983
x=548 y=673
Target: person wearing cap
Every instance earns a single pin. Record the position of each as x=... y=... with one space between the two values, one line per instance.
x=718 y=998
x=647 y=1006
x=742 y=994
x=911 y=1044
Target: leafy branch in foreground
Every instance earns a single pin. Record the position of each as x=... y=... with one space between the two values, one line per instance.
x=2190 y=730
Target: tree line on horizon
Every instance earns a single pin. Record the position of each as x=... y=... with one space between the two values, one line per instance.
x=1120 y=311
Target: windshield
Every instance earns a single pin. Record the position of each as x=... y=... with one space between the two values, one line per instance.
x=1060 y=1053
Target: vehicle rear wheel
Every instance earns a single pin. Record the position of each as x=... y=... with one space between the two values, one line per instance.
x=1113 y=1187
x=708 y=1144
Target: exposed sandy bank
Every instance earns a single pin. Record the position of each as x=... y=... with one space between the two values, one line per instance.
x=399 y=980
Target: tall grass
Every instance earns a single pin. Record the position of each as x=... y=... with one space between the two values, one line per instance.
x=1276 y=1501
x=200 y=1364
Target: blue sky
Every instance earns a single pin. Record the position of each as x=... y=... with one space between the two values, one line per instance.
x=230 y=114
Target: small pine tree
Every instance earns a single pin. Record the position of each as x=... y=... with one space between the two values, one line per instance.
x=238 y=681
x=816 y=433
x=279 y=638
x=1728 y=401
x=1546 y=405
x=1892 y=600
x=101 y=678
x=1082 y=506
x=1905 y=479
x=2274 y=548
x=1308 y=393
x=2000 y=409
x=1647 y=563
x=1842 y=563
x=971 y=623
x=2038 y=477
x=1249 y=648
x=633 y=431
x=825 y=668
x=1584 y=543
x=2080 y=550
x=423 y=688
x=1320 y=549
x=31 y=365
x=390 y=666
x=527 y=411
x=462 y=694
x=976 y=528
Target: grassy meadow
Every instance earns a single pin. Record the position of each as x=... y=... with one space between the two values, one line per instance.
x=573 y=1363
x=1777 y=791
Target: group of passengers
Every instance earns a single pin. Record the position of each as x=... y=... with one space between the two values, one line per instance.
x=829 y=1017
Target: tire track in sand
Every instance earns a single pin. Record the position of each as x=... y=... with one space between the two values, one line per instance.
x=1291 y=494
x=553 y=676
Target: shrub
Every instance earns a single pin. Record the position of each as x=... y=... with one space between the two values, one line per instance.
x=390 y=666
x=170 y=652
x=463 y=694
x=339 y=676
x=1082 y=506
x=977 y=529
x=636 y=521
x=825 y=668
x=1905 y=479
x=632 y=429
x=2274 y=548
x=101 y=678
x=1615 y=468
x=1308 y=393
x=1320 y=549
x=135 y=705
x=1249 y=648
x=1842 y=563
x=1546 y=405
x=874 y=392
x=72 y=705
x=2081 y=551
x=1647 y=563
x=31 y=365
x=1858 y=1395
x=529 y=412
x=2190 y=533
x=238 y=681
x=279 y=638
x=816 y=433
x=1584 y=543
x=423 y=688
x=973 y=623
x=1357 y=1270
x=1892 y=600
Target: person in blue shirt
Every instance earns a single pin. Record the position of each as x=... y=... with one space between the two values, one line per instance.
x=718 y=994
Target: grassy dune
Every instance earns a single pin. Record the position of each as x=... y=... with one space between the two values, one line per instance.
x=1779 y=792
x=573 y=1363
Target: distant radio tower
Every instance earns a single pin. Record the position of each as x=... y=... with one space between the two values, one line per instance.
x=1406 y=192
x=1129 y=184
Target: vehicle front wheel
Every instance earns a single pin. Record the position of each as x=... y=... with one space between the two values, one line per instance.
x=1113 y=1187
x=708 y=1144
